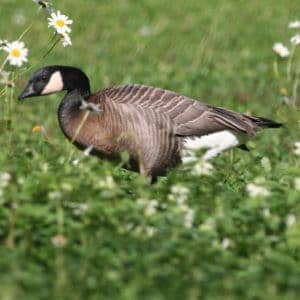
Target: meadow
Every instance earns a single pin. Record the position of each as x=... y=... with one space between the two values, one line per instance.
x=75 y=227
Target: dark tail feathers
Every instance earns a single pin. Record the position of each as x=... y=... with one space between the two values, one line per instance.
x=265 y=123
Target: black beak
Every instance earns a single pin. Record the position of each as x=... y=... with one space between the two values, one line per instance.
x=28 y=92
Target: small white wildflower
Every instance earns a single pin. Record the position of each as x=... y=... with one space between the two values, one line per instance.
x=266 y=212
x=4 y=179
x=21 y=180
x=225 y=243
x=108 y=182
x=60 y=22
x=19 y=18
x=266 y=164
x=76 y=162
x=129 y=226
x=255 y=190
x=295 y=40
x=145 y=30
x=281 y=50
x=208 y=225
x=179 y=193
x=65 y=39
x=297 y=148
x=54 y=195
x=17 y=53
x=286 y=100
x=45 y=167
x=294 y=24
x=202 y=168
x=151 y=207
x=189 y=218
x=80 y=209
x=297 y=183
x=150 y=230
x=290 y=220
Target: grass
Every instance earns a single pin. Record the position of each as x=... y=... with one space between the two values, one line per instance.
x=88 y=231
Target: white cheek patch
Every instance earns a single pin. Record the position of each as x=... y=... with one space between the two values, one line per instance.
x=215 y=143
x=55 y=84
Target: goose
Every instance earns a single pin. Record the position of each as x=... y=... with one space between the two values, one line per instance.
x=158 y=128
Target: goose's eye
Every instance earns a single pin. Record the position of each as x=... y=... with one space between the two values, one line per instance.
x=44 y=78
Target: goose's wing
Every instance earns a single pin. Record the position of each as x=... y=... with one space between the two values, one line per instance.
x=191 y=117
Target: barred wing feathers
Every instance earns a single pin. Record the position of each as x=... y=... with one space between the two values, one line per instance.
x=190 y=117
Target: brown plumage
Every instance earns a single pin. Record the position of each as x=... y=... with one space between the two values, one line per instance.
x=151 y=124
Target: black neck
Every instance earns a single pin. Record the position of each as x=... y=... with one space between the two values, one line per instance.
x=75 y=79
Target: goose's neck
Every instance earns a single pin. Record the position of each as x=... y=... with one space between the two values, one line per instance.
x=69 y=110
x=75 y=79
x=77 y=85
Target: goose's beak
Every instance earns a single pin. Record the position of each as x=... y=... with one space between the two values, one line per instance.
x=28 y=92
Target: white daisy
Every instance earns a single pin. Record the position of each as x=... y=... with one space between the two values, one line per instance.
x=295 y=40
x=281 y=50
x=17 y=53
x=294 y=24
x=60 y=22
x=65 y=39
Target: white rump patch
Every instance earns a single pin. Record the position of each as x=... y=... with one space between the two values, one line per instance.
x=215 y=143
x=55 y=84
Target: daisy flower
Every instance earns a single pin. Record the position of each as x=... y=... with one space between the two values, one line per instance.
x=17 y=53
x=294 y=24
x=281 y=50
x=295 y=40
x=60 y=22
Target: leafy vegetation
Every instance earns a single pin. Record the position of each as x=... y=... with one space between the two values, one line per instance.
x=92 y=229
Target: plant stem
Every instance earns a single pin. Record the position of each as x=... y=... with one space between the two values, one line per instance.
x=289 y=63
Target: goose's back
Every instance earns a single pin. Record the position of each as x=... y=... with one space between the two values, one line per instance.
x=190 y=117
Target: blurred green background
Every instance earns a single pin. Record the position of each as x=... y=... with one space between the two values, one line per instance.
x=70 y=232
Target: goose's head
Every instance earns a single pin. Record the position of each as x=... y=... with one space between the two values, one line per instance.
x=53 y=79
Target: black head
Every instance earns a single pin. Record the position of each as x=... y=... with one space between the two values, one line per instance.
x=53 y=79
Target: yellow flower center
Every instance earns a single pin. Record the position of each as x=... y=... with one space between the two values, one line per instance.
x=60 y=23
x=16 y=52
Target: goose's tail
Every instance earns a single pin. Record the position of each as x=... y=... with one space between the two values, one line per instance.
x=265 y=123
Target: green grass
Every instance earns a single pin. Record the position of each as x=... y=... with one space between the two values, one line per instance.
x=219 y=52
